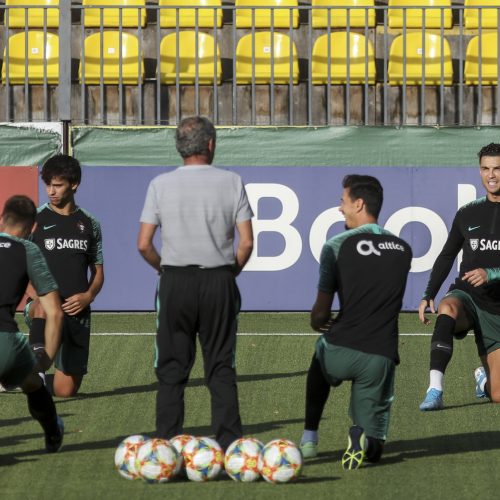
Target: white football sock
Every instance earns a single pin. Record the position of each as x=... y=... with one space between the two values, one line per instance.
x=436 y=380
x=309 y=436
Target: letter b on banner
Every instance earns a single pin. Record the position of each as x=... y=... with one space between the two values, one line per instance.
x=281 y=225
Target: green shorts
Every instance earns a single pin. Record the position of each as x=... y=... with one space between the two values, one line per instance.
x=73 y=355
x=486 y=325
x=372 y=390
x=16 y=359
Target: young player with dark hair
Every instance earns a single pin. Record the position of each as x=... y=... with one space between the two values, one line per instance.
x=21 y=261
x=473 y=300
x=368 y=267
x=70 y=239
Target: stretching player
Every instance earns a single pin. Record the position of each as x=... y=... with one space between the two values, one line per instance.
x=367 y=266
x=70 y=239
x=473 y=301
x=21 y=261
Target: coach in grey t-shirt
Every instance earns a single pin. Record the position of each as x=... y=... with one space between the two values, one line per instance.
x=199 y=208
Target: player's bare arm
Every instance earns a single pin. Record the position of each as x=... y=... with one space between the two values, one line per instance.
x=146 y=247
x=245 y=244
x=80 y=301
x=51 y=304
x=476 y=277
x=424 y=304
x=321 y=312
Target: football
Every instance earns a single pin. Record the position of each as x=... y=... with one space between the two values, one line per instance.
x=126 y=454
x=203 y=459
x=280 y=461
x=242 y=459
x=157 y=461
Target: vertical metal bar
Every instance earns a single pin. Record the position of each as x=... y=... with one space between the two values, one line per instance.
x=120 y=65
x=158 y=67
x=26 y=69
x=460 y=67
x=441 y=87
x=234 y=88
x=422 y=85
x=253 y=68
x=291 y=82
x=45 y=62
x=83 y=87
x=309 y=69
x=177 y=69
x=139 y=65
x=196 y=63
x=386 y=52
x=403 y=104
x=271 y=88
x=6 y=44
x=479 y=117
x=366 y=112
x=101 y=63
x=347 y=96
x=329 y=75
x=216 y=83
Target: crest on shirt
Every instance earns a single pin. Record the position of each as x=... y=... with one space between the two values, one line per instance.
x=50 y=243
x=81 y=226
x=474 y=243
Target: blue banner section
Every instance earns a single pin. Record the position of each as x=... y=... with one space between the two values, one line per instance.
x=296 y=210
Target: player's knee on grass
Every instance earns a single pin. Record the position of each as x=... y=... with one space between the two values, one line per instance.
x=66 y=386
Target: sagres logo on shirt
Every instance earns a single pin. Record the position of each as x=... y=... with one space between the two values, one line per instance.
x=62 y=243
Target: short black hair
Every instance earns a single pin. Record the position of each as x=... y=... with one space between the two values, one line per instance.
x=64 y=166
x=19 y=210
x=491 y=149
x=367 y=188
x=193 y=135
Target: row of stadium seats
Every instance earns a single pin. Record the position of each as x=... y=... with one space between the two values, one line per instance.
x=260 y=58
x=358 y=15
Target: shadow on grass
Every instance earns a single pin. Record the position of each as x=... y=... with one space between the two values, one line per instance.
x=403 y=450
x=196 y=382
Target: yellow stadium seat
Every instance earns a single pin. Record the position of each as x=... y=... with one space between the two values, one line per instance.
x=38 y=58
x=111 y=17
x=280 y=19
x=489 y=17
x=414 y=52
x=17 y=17
x=338 y=17
x=132 y=71
x=187 y=17
x=414 y=17
x=360 y=60
x=489 y=60
x=263 y=61
x=209 y=65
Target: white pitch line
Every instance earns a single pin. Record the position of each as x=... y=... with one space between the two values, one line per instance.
x=242 y=334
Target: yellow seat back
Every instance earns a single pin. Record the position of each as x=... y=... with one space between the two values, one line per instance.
x=414 y=53
x=282 y=56
x=207 y=67
x=16 y=18
x=488 y=57
x=111 y=17
x=265 y=18
x=38 y=58
x=489 y=17
x=338 y=17
x=361 y=59
x=414 y=17
x=90 y=64
x=187 y=17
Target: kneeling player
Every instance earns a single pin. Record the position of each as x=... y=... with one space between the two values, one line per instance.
x=21 y=261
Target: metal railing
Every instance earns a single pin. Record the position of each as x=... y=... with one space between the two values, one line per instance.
x=229 y=102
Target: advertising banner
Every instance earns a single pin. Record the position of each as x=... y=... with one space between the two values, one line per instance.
x=296 y=210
